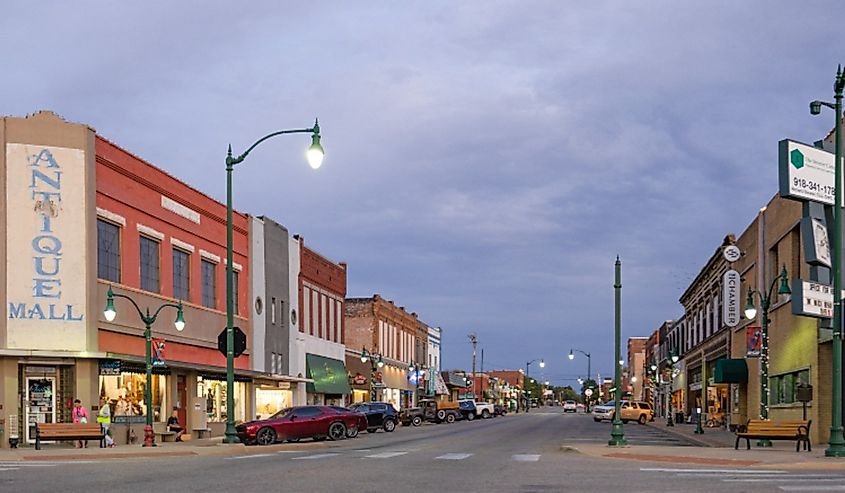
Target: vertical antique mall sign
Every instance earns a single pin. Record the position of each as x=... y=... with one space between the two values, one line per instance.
x=46 y=247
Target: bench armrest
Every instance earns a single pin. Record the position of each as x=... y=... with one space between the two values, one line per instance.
x=803 y=430
x=741 y=429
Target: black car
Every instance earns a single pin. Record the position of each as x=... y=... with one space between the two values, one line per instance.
x=500 y=410
x=379 y=415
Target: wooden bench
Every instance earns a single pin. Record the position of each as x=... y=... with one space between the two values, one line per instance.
x=797 y=430
x=69 y=431
x=161 y=431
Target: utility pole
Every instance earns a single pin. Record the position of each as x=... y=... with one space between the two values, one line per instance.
x=474 y=340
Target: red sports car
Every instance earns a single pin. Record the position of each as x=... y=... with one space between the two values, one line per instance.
x=317 y=422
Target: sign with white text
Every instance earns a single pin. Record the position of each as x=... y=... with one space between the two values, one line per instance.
x=805 y=172
x=730 y=298
x=812 y=299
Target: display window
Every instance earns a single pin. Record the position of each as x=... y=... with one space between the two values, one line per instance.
x=269 y=400
x=214 y=392
x=126 y=394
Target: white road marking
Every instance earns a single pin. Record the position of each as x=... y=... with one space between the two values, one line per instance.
x=814 y=487
x=713 y=471
x=453 y=456
x=385 y=455
x=8 y=468
x=316 y=456
x=250 y=456
x=526 y=457
x=779 y=480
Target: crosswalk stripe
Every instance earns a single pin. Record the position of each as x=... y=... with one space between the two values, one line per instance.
x=814 y=487
x=779 y=480
x=714 y=471
x=526 y=457
x=8 y=468
x=453 y=456
x=250 y=456
x=27 y=464
x=385 y=455
x=315 y=456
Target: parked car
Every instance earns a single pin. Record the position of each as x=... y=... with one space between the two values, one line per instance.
x=317 y=422
x=570 y=407
x=484 y=409
x=432 y=411
x=638 y=411
x=380 y=415
x=467 y=409
x=500 y=410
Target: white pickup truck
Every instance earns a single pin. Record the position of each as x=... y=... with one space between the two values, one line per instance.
x=483 y=409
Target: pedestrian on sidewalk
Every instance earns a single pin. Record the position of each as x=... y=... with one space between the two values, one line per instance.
x=80 y=415
x=174 y=426
x=104 y=418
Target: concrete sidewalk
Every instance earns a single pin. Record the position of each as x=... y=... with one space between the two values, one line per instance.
x=200 y=447
x=712 y=437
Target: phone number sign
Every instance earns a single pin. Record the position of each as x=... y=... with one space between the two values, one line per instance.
x=805 y=172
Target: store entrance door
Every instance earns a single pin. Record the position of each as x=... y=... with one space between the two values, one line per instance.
x=40 y=403
x=181 y=399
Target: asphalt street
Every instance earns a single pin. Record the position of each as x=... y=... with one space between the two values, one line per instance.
x=517 y=453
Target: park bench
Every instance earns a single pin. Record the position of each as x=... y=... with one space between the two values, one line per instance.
x=797 y=430
x=69 y=431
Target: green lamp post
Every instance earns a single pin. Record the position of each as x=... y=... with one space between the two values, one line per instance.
x=374 y=363
x=836 y=443
x=314 y=155
x=110 y=313
x=617 y=433
x=671 y=360
x=750 y=313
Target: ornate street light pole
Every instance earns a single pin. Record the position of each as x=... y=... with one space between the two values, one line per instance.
x=836 y=443
x=617 y=434
x=589 y=369
x=315 y=159
x=750 y=313
x=110 y=313
x=374 y=363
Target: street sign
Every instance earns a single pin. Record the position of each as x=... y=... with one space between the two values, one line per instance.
x=812 y=299
x=239 y=340
x=805 y=172
x=588 y=392
x=732 y=253
x=730 y=296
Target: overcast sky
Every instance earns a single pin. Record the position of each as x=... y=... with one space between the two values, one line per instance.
x=485 y=160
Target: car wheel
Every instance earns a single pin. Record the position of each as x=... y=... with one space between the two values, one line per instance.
x=265 y=436
x=351 y=432
x=597 y=420
x=485 y=414
x=337 y=431
x=450 y=418
x=441 y=415
x=417 y=421
x=470 y=416
x=389 y=425
x=642 y=419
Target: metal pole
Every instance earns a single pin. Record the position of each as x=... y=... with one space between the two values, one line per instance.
x=617 y=434
x=149 y=436
x=836 y=443
x=231 y=433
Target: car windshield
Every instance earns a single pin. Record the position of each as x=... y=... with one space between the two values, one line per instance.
x=609 y=404
x=281 y=413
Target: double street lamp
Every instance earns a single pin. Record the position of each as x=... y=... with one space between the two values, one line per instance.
x=751 y=313
x=836 y=443
x=374 y=364
x=314 y=154
x=527 y=366
x=673 y=358
x=110 y=313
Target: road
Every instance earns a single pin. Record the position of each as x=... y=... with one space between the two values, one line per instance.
x=518 y=453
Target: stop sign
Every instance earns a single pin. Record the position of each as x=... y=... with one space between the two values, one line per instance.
x=239 y=340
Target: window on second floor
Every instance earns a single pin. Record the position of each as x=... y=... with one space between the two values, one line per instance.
x=209 y=283
x=181 y=275
x=108 y=251
x=235 y=276
x=150 y=262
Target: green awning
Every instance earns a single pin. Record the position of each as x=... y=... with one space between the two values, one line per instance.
x=329 y=375
x=730 y=371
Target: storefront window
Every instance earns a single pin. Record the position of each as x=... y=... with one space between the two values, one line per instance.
x=214 y=392
x=269 y=400
x=126 y=393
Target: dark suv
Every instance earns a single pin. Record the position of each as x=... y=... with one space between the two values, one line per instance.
x=379 y=415
x=468 y=411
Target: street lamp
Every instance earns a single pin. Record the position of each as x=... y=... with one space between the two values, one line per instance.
x=617 y=433
x=652 y=374
x=314 y=155
x=750 y=313
x=589 y=369
x=836 y=443
x=110 y=313
x=673 y=358
x=527 y=365
x=374 y=363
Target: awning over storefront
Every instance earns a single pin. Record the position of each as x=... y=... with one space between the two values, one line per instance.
x=730 y=371
x=329 y=375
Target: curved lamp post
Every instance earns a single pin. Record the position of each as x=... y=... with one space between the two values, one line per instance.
x=314 y=154
x=374 y=363
x=836 y=443
x=750 y=313
x=673 y=358
x=527 y=365
x=589 y=369
x=110 y=313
